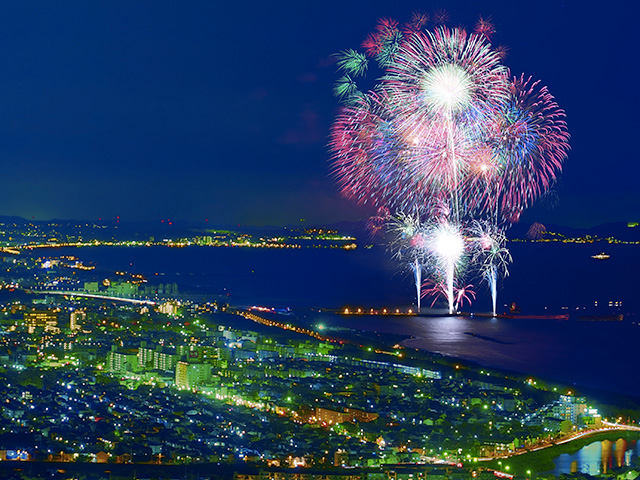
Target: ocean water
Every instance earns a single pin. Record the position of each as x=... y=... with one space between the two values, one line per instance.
x=598 y=355
x=544 y=279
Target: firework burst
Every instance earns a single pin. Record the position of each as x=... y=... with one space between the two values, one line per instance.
x=446 y=253
x=449 y=143
x=530 y=142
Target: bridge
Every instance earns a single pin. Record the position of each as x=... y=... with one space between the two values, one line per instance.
x=95 y=295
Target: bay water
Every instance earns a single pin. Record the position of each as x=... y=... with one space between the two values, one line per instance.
x=317 y=283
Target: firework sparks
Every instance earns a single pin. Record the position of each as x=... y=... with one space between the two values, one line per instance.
x=446 y=248
x=449 y=143
x=531 y=142
x=464 y=294
x=410 y=244
x=352 y=62
x=490 y=255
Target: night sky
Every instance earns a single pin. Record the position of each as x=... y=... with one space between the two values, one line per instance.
x=221 y=110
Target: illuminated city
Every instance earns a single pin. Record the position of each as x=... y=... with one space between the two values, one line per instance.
x=93 y=359
x=319 y=241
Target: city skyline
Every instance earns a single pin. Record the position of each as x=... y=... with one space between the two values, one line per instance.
x=222 y=112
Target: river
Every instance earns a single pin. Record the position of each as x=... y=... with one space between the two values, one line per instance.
x=598 y=457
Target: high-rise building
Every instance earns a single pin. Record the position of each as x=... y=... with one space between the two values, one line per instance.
x=145 y=355
x=156 y=358
x=76 y=319
x=121 y=362
x=191 y=375
x=181 y=375
x=165 y=361
x=567 y=408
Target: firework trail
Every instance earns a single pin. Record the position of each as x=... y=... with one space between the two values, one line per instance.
x=444 y=254
x=462 y=294
x=446 y=250
x=491 y=255
x=416 y=268
x=409 y=244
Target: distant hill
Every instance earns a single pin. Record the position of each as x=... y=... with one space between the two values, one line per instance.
x=360 y=229
x=619 y=230
x=13 y=219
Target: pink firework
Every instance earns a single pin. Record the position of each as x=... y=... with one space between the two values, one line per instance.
x=418 y=22
x=536 y=231
x=502 y=51
x=440 y=16
x=386 y=31
x=443 y=89
x=530 y=143
x=446 y=123
x=434 y=291
x=364 y=156
x=464 y=294
x=377 y=222
x=484 y=26
x=412 y=143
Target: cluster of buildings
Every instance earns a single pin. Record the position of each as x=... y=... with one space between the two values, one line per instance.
x=101 y=380
x=96 y=380
x=17 y=234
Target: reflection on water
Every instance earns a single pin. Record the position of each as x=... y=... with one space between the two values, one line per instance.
x=598 y=457
x=549 y=348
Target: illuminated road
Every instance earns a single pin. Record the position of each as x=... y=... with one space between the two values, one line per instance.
x=608 y=427
x=618 y=426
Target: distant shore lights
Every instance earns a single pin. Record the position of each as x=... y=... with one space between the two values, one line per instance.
x=373 y=311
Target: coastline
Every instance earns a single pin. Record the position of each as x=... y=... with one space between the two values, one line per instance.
x=494 y=349
x=602 y=398
x=560 y=352
x=393 y=349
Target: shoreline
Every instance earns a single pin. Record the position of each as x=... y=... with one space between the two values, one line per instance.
x=386 y=340
x=598 y=383
x=603 y=398
x=608 y=399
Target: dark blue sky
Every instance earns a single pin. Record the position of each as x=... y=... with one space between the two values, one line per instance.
x=221 y=110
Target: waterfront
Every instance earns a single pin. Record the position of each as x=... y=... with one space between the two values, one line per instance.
x=309 y=280
x=224 y=366
x=566 y=351
x=543 y=278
